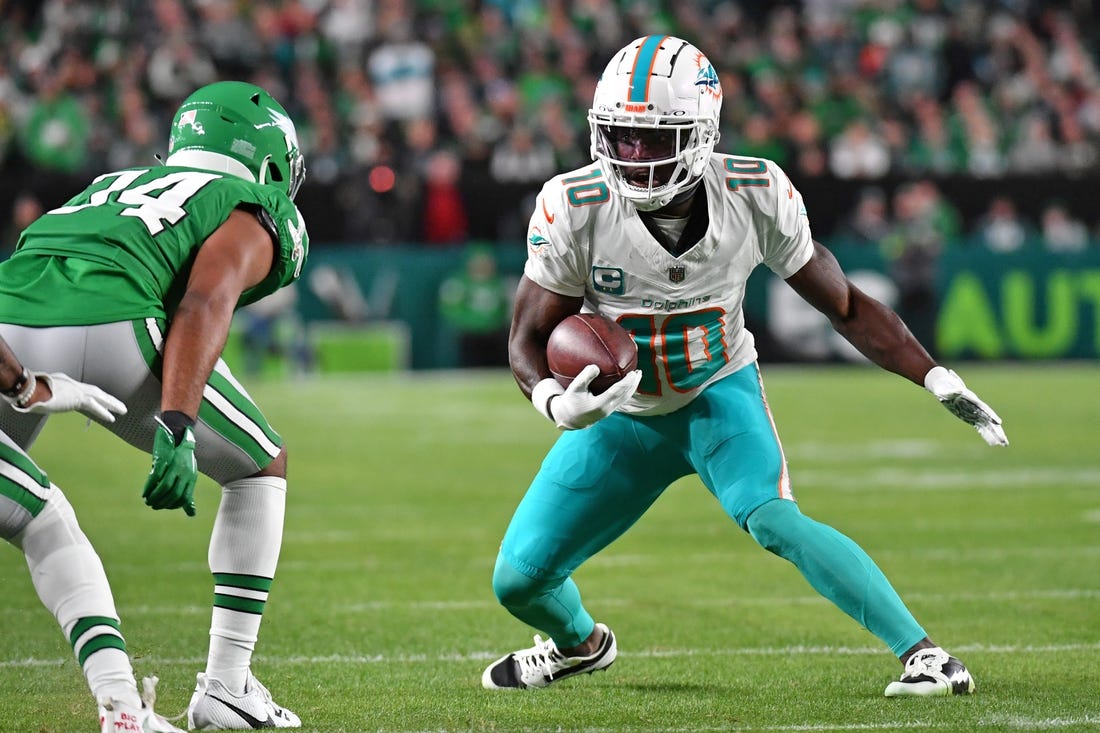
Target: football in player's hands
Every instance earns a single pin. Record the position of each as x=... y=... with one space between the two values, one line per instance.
x=590 y=338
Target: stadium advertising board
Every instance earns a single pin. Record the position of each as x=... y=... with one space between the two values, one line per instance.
x=1025 y=305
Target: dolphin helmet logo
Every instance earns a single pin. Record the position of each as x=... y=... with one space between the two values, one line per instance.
x=708 y=79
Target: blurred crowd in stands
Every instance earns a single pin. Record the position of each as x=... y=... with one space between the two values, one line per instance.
x=436 y=121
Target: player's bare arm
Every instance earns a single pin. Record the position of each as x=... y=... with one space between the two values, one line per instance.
x=883 y=337
x=537 y=310
x=236 y=257
x=870 y=326
x=14 y=378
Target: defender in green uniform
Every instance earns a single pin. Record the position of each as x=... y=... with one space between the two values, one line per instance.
x=37 y=518
x=131 y=286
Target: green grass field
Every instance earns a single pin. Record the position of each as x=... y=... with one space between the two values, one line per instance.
x=382 y=616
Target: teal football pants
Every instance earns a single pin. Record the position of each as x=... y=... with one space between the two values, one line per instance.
x=594 y=484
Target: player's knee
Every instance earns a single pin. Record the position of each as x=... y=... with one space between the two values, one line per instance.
x=511 y=587
x=277 y=467
x=771 y=523
x=14 y=517
x=53 y=528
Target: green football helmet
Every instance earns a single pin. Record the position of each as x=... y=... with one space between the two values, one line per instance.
x=237 y=128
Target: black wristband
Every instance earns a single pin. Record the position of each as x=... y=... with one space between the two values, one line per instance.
x=177 y=423
x=22 y=391
x=20 y=382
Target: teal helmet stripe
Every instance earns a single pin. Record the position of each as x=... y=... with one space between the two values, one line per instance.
x=643 y=67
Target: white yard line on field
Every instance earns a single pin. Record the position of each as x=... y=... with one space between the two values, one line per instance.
x=926 y=480
x=478 y=656
x=826 y=452
x=1014 y=723
x=958 y=554
x=1055 y=594
x=1009 y=723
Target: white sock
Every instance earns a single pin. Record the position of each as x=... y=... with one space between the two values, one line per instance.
x=70 y=581
x=244 y=552
x=110 y=675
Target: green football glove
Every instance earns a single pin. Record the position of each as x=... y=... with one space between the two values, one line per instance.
x=171 y=481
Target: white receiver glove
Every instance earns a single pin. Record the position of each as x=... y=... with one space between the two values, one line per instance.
x=69 y=394
x=949 y=389
x=575 y=407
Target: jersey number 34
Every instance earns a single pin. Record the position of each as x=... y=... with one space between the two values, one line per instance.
x=154 y=203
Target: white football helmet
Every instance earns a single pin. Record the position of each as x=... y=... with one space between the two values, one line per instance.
x=661 y=96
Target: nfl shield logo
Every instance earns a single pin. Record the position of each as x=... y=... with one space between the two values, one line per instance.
x=676 y=274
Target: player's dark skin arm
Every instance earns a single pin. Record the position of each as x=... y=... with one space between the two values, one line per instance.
x=870 y=326
x=867 y=324
x=237 y=256
x=11 y=369
x=536 y=312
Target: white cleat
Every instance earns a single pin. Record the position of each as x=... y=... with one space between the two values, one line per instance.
x=116 y=716
x=543 y=663
x=214 y=707
x=932 y=673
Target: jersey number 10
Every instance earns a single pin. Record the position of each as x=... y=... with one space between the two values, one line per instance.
x=689 y=347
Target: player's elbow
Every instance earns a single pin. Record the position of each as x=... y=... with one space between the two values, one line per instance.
x=846 y=308
x=206 y=308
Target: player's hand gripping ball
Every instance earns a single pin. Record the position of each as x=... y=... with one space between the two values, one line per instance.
x=589 y=338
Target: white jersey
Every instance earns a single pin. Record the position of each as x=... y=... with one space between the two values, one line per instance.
x=684 y=312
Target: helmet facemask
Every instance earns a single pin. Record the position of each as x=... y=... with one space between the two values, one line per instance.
x=293 y=164
x=654 y=120
x=649 y=162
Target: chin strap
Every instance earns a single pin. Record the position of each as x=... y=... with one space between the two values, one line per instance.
x=685 y=195
x=653 y=205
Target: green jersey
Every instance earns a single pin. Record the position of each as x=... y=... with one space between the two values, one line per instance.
x=123 y=248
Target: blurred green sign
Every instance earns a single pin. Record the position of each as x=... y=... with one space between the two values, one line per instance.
x=1025 y=305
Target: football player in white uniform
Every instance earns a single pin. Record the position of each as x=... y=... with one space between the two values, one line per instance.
x=661 y=234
